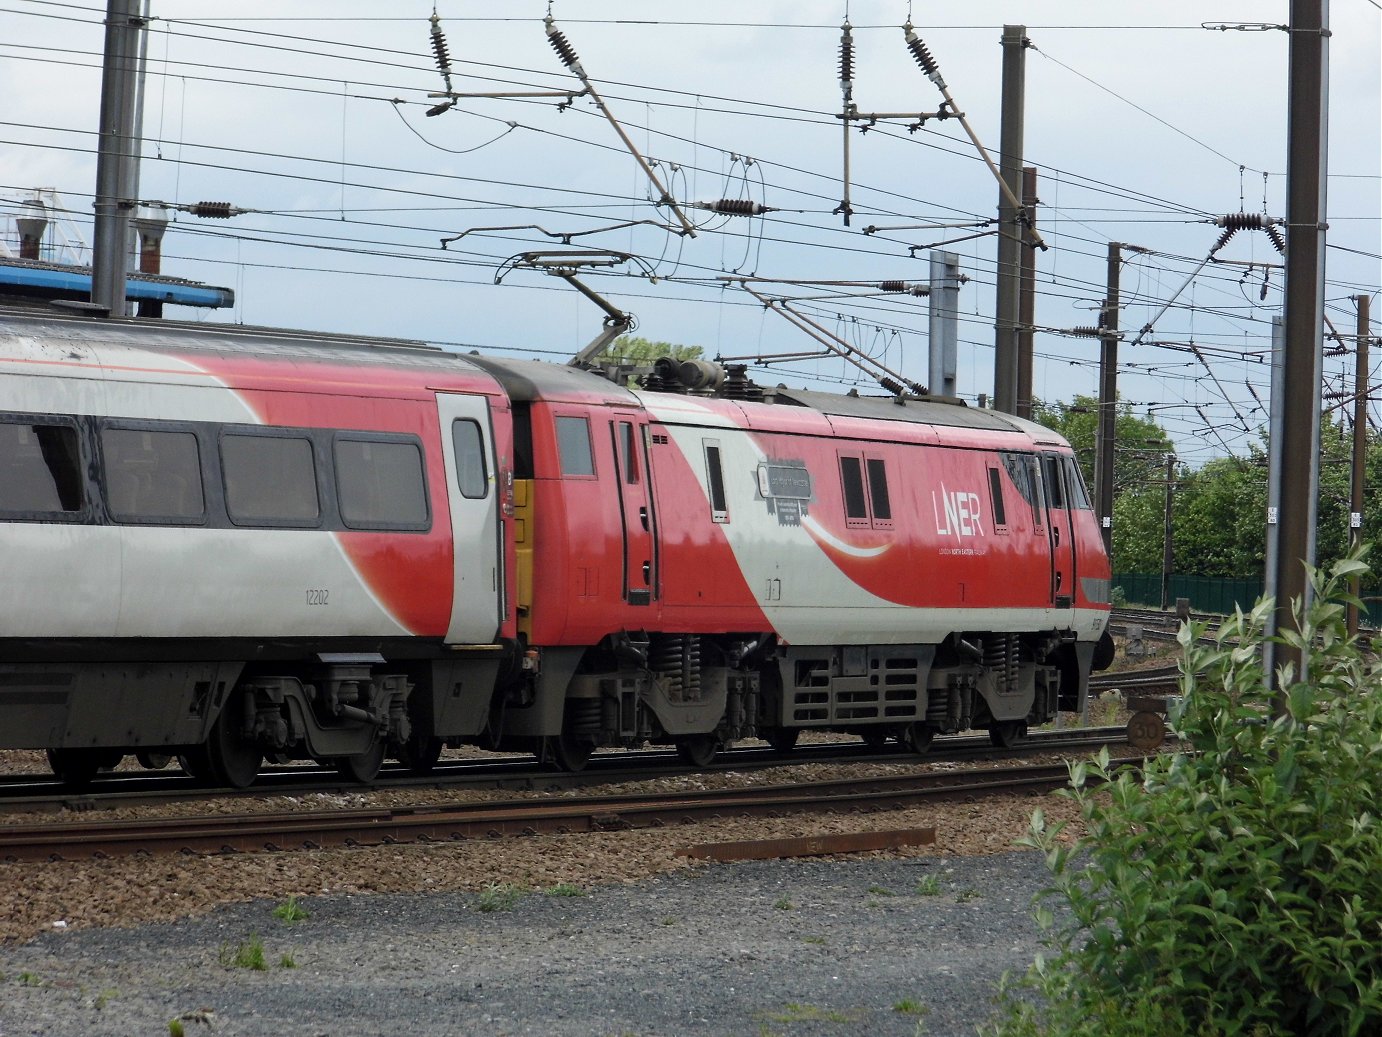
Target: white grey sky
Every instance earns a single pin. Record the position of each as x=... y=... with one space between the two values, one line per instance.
x=1137 y=118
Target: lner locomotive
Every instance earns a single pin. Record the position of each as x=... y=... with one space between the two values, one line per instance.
x=231 y=544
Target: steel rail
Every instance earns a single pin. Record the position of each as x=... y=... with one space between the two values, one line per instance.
x=34 y=793
x=270 y=832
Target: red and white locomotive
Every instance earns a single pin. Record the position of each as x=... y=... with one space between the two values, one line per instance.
x=228 y=543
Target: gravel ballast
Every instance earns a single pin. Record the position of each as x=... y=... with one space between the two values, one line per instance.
x=398 y=938
x=801 y=947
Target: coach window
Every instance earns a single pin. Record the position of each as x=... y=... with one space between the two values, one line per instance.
x=852 y=481
x=270 y=480
x=40 y=469
x=1000 y=513
x=471 y=474
x=380 y=484
x=878 y=492
x=152 y=475
x=715 y=481
x=573 y=444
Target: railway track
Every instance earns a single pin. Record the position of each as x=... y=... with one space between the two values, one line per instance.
x=1159 y=680
x=119 y=789
x=281 y=831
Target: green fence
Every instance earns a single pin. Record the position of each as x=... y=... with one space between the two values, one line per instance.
x=1212 y=593
x=1206 y=593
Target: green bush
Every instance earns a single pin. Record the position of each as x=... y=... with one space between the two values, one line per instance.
x=1234 y=887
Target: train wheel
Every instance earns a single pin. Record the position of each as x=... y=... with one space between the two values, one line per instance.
x=569 y=754
x=698 y=750
x=153 y=761
x=232 y=761
x=77 y=767
x=1007 y=733
x=920 y=735
x=783 y=739
x=362 y=767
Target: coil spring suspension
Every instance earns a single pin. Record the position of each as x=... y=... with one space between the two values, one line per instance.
x=952 y=709
x=1000 y=657
x=677 y=659
x=583 y=717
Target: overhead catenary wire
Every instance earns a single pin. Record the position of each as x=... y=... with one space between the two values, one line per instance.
x=800 y=228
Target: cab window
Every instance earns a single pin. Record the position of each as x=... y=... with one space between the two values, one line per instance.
x=573 y=446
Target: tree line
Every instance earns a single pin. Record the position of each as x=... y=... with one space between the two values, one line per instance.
x=1219 y=511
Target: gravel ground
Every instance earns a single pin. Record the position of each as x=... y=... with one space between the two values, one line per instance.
x=799 y=948
x=477 y=938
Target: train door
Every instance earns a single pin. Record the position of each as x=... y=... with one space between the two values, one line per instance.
x=467 y=445
x=629 y=439
x=1061 y=529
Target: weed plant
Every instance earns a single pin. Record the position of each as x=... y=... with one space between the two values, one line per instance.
x=499 y=896
x=247 y=955
x=1234 y=886
x=291 y=911
x=566 y=889
x=910 y=1006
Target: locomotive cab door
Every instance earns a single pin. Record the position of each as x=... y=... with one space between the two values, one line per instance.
x=1060 y=530
x=472 y=488
x=629 y=440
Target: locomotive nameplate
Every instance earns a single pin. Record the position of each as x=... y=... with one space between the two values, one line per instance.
x=786 y=487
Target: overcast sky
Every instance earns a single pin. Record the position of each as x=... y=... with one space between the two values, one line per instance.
x=1141 y=133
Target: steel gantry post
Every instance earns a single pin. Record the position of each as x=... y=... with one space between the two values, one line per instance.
x=1360 y=446
x=1306 y=165
x=114 y=156
x=1026 y=308
x=1010 y=228
x=1105 y=439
